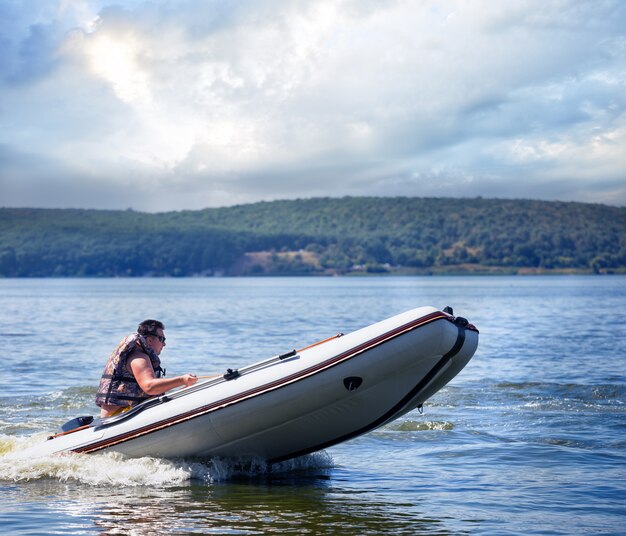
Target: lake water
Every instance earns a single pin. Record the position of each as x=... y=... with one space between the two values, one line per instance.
x=529 y=439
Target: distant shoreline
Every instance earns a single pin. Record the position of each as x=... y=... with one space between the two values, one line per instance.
x=435 y=272
x=319 y=237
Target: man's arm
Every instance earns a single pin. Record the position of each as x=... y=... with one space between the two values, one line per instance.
x=144 y=374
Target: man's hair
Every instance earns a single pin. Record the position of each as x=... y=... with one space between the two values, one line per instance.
x=149 y=327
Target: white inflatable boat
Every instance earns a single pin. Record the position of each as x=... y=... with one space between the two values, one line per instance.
x=292 y=404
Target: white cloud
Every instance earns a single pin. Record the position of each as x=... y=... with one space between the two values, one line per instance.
x=221 y=103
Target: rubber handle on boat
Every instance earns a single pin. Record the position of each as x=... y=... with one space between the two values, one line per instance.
x=288 y=354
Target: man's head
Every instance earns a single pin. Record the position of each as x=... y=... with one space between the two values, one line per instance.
x=152 y=330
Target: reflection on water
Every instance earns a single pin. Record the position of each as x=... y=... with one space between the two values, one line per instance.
x=302 y=504
x=110 y=494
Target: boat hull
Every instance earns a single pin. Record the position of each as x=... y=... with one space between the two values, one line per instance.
x=283 y=408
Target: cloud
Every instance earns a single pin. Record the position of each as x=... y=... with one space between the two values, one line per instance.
x=203 y=103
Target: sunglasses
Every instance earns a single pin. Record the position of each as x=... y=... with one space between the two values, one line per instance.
x=160 y=337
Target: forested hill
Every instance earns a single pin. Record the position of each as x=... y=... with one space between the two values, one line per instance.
x=317 y=236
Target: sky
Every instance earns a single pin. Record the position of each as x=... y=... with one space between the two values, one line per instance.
x=172 y=105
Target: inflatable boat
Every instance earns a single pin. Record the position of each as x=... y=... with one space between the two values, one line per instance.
x=291 y=404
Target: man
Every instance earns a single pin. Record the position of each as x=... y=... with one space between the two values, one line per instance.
x=133 y=371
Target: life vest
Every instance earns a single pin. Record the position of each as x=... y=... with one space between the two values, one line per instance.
x=118 y=386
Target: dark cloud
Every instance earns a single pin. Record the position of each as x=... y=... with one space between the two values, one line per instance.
x=29 y=39
x=37 y=55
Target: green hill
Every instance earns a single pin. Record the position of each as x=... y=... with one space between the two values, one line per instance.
x=317 y=236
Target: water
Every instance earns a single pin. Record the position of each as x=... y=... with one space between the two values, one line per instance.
x=529 y=439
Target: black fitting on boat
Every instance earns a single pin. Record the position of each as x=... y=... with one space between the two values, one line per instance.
x=231 y=374
x=448 y=310
x=461 y=322
x=352 y=383
x=288 y=354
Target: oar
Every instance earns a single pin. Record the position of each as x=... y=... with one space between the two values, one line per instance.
x=232 y=374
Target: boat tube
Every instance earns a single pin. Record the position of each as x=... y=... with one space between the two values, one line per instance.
x=294 y=403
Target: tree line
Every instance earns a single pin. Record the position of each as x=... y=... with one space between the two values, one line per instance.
x=316 y=236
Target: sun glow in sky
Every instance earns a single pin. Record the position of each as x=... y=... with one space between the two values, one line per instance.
x=115 y=61
x=196 y=103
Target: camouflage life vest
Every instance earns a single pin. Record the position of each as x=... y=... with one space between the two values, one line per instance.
x=118 y=386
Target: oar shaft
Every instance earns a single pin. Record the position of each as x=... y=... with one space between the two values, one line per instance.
x=274 y=359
